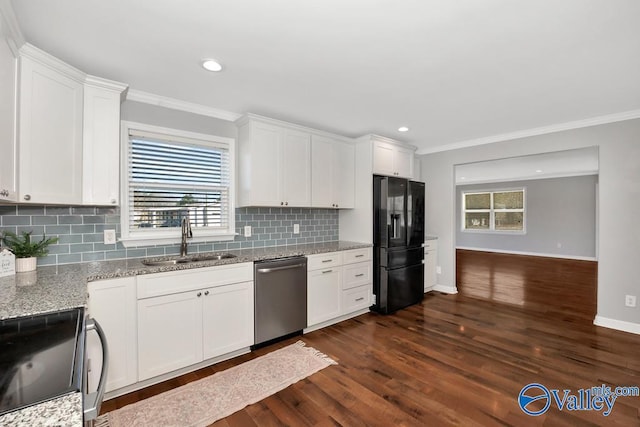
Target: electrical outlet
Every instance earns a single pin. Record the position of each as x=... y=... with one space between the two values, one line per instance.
x=109 y=237
x=247 y=231
x=630 y=300
x=438 y=270
x=296 y=228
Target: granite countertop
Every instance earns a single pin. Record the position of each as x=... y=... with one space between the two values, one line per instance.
x=62 y=287
x=62 y=411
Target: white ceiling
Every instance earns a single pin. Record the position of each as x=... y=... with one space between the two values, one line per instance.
x=452 y=71
x=582 y=161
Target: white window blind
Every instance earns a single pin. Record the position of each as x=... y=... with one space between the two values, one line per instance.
x=171 y=178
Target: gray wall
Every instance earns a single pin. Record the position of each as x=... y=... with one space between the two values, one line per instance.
x=558 y=211
x=619 y=204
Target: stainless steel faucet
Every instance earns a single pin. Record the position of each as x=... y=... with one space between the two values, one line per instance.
x=186 y=234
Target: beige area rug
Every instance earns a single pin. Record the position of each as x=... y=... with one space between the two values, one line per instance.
x=204 y=401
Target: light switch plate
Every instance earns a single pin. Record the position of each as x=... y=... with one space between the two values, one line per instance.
x=247 y=231
x=296 y=228
x=109 y=237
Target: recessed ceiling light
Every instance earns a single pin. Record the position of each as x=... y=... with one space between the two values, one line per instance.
x=211 y=65
x=538 y=170
x=403 y=129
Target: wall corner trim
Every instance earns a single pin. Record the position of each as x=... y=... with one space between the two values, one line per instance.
x=176 y=104
x=619 y=325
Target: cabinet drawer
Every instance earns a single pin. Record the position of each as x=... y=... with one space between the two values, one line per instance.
x=356 y=255
x=331 y=259
x=354 y=275
x=151 y=285
x=356 y=299
x=430 y=245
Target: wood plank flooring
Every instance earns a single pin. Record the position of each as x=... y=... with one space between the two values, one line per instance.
x=457 y=359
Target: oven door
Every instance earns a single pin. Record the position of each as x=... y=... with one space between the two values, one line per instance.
x=93 y=398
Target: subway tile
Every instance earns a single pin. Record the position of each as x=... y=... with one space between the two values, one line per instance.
x=10 y=229
x=93 y=256
x=92 y=237
x=44 y=220
x=8 y=210
x=59 y=249
x=245 y=245
x=171 y=250
x=109 y=210
x=70 y=219
x=35 y=230
x=112 y=219
x=57 y=210
x=15 y=220
x=57 y=229
x=80 y=247
x=70 y=238
x=30 y=210
x=136 y=253
x=259 y=243
x=93 y=219
x=102 y=247
x=82 y=229
x=119 y=254
x=83 y=210
x=47 y=260
x=155 y=251
x=69 y=258
x=232 y=246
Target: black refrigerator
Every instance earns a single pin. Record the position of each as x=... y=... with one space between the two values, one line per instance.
x=398 y=240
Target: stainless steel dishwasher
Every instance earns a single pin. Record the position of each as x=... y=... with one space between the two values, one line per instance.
x=280 y=298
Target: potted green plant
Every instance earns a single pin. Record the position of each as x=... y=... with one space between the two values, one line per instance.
x=25 y=250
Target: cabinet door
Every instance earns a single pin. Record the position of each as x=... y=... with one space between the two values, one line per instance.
x=227 y=319
x=296 y=168
x=403 y=162
x=383 y=158
x=324 y=292
x=430 y=276
x=322 y=165
x=101 y=146
x=169 y=333
x=8 y=80
x=112 y=303
x=265 y=167
x=50 y=135
x=344 y=175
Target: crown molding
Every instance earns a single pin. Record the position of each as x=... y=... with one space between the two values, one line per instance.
x=30 y=51
x=373 y=137
x=246 y=118
x=13 y=30
x=577 y=124
x=176 y=104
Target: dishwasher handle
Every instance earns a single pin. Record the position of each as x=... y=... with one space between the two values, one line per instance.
x=269 y=270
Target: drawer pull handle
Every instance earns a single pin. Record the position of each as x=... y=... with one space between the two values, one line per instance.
x=327 y=271
x=359 y=256
x=327 y=260
x=359 y=299
x=360 y=275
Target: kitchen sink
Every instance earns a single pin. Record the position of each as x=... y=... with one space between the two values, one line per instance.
x=185 y=260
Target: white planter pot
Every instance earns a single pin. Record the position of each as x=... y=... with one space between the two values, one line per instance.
x=26 y=264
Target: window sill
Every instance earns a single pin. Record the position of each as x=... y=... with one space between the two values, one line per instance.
x=138 y=241
x=499 y=232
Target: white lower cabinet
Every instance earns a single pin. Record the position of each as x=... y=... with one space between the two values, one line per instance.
x=113 y=304
x=430 y=262
x=210 y=318
x=324 y=293
x=338 y=284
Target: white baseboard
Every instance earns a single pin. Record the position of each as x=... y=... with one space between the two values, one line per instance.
x=619 y=325
x=540 y=254
x=445 y=289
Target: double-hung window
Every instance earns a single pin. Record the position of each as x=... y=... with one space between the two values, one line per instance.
x=494 y=211
x=171 y=175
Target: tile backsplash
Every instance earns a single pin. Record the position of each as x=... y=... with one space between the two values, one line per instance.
x=80 y=231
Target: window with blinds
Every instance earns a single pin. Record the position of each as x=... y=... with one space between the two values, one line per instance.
x=171 y=177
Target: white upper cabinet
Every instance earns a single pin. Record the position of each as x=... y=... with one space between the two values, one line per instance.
x=8 y=81
x=69 y=133
x=50 y=135
x=274 y=164
x=391 y=158
x=100 y=141
x=332 y=173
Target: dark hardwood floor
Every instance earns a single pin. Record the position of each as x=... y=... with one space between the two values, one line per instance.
x=457 y=359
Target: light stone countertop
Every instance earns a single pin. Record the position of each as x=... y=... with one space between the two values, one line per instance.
x=62 y=411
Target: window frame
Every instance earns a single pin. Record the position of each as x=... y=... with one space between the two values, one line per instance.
x=492 y=211
x=172 y=235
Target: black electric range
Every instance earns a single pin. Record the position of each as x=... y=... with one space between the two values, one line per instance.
x=41 y=357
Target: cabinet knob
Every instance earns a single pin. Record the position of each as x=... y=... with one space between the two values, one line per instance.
x=4 y=193
x=27 y=197
x=281 y=203
x=199 y=294
x=336 y=205
x=206 y=292
x=286 y=203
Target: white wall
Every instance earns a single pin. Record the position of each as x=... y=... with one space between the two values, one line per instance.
x=619 y=207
